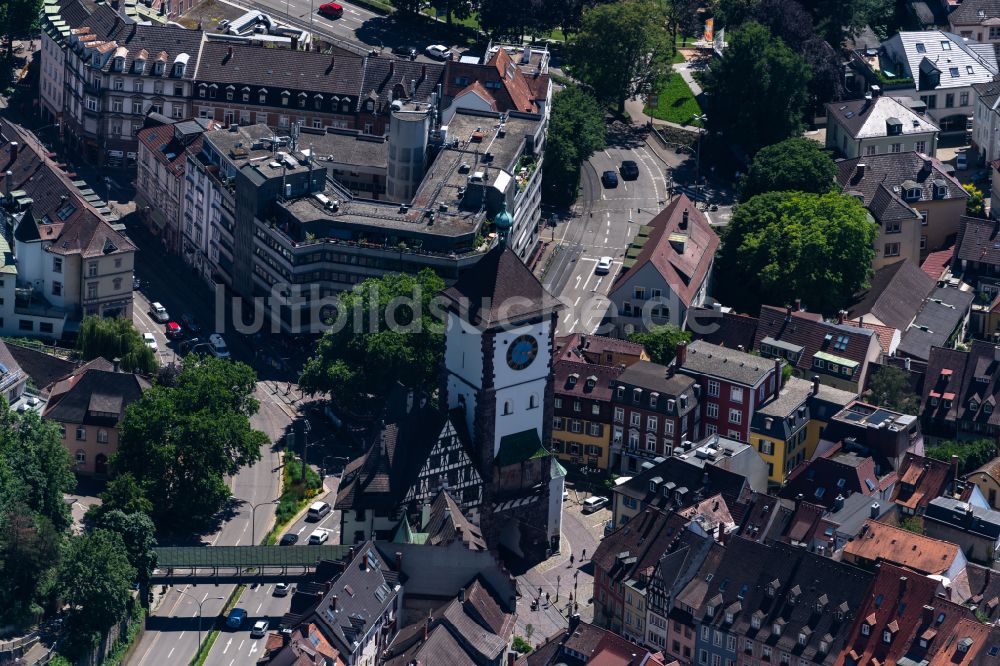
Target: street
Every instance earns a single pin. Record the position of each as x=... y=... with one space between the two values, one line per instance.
x=171 y=635
x=237 y=646
x=606 y=224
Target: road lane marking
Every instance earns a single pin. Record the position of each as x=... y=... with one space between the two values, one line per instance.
x=575 y=322
x=225 y=649
x=170 y=653
x=577 y=301
x=258 y=607
x=253 y=647
x=241 y=644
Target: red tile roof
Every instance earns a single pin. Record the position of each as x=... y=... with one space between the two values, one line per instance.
x=879 y=542
x=937 y=262
x=684 y=272
x=885 y=334
x=920 y=480
x=591 y=348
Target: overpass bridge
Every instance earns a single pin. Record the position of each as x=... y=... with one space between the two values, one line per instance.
x=241 y=564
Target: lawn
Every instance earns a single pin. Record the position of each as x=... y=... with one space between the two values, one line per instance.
x=676 y=103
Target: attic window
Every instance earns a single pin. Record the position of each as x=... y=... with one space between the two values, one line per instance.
x=913 y=194
x=945 y=45
x=969 y=70
x=572 y=379
x=921 y=48
x=64 y=212
x=866 y=629
x=729 y=617
x=886 y=636
x=953 y=71
x=755 y=622
x=776 y=628
x=987 y=408
x=973 y=405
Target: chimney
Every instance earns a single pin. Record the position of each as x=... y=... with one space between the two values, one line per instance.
x=902 y=585
x=798 y=305
x=399 y=561
x=682 y=350
x=461 y=595
x=350 y=554
x=777 y=376
x=876 y=91
x=427 y=626
x=511 y=656
x=392 y=67
x=333 y=603
x=815 y=384
x=873 y=512
x=13 y=150
x=423 y=73
x=117 y=364
x=954 y=469
x=574 y=622
x=927 y=613
x=229 y=53
x=841 y=315
x=684 y=221
x=859 y=170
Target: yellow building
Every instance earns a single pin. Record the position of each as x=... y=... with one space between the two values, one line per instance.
x=581 y=428
x=779 y=430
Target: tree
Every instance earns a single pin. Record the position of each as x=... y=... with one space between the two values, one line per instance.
x=681 y=18
x=34 y=466
x=359 y=360
x=520 y=645
x=974 y=205
x=29 y=552
x=781 y=246
x=18 y=18
x=453 y=8
x=116 y=337
x=757 y=90
x=96 y=580
x=409 y=7
x=576 y=131
x=123 y=493
x=180 y=443
x=971 y=454
x=661 y=342
x=621 y=49
x=733 y=13
x=139 y=535
x=793 y=164
x=838 y=19
x=890 y=387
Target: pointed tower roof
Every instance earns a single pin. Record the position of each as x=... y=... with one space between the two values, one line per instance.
x=500 y=290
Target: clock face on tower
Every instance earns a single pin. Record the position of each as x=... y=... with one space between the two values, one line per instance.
x=522 y=352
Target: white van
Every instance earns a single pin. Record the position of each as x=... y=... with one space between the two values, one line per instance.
x=317 y=510
x=592 y=504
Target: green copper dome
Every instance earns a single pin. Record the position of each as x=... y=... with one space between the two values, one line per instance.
x=503 y=221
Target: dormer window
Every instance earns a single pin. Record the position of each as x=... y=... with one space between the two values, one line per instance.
x=886 y=636
x=987 y=408
x=158 y=69
x=652 y=400
x=824 y=647
x=729 y=617
x=202 y=90
x=636 y=395
x=119 y=64
x=302 y=100
x=913 y=194
x=803 y=638
x=284 y=97
x=755 y=622
x=973 y=405
x=139 y=66
x=572 y=379
x=866 y=629
x=710 y=610
x=620 y=392
x=230 y=91
x=370 y=106
x=178 y=70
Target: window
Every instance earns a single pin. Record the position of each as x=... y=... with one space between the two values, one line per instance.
x=766 y=447
x=652 y=423
x=953 y=71
x=892 y=227
x=81 y=457
x=755 y=621
x=713 y=388
x=92 y=104
x=712 y=410
x=117 y=284
x=923 y=218
x=634 y=419
x=651 y=442
x=639 y=293
x=886 y=636
x=736 y=394
x=595 y=409
x=57 y=288
x=735 y=416
x=891 y=250
x=92 y=290
x=871 y=150
x=895 y=147
x=949 y=100
x=920 y=146
x=866 y=629
x=557 y=423
x=595 y=429
x=262 y=98
x=945 y=45
x=119 y=84
x=963 y=98
x=668 y=427
x=57 y=264
x=102 y=436
x=532 y=401
x=619 y=415
x=575 y=425
x=557 y=402
x=81 y=434
x=921 y=48
x=137 y=107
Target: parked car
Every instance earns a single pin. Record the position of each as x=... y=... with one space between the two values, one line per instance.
x=159 y=313
x=592 y=504
x=317 y=510
x=289 y=540
x=331 y=10
x=190 y=322
x=259 y=629
x=282 y=589
x=603 y=266
x=218 y=346
x=319 y=537
x=405 y=51
x=438 y=51
x=609 y=179
x=173 y=330
x=629 y=170
x=150 y=340
x=223 y=24
x=961 y=162
x=236 y=618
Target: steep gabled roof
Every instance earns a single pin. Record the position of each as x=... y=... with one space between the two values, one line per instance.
x=979 y=241
x=920 y=480
x=896 y=293
x=500 y=290
x=814 y=336
x=879 y=542
x=681 y=247
x=866 y=119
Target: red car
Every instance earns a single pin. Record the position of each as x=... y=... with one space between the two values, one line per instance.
x=174 y=330
x=331 y=10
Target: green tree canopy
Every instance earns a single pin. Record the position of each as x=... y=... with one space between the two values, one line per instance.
x=359 y=360
x=113 y=338
x=971 y=454
x=139 y=535
x=34 y=466
x=179 y=443
x=890 y=387
x=757 y=91
x=96 y=580
x=621 y=49
x=18 y=18
x=793 y=164
x=29 y=553
x=576 y=131
x=974 y=205
x=786 y=245
x=661 y=342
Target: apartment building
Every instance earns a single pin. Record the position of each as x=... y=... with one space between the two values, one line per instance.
x=879 y=124
x=733 y=386
x=63 y=259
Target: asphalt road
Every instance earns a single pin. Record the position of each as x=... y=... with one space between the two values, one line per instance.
x=171 y=635
x=358 y=26
x=607 y=222
x=232 y=647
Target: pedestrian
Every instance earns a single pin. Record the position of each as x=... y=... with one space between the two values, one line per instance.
x=571 y=559
x=547 y=597
x=583 y=555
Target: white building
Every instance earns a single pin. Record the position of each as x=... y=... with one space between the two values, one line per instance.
x=879 y=124
x=943 y=67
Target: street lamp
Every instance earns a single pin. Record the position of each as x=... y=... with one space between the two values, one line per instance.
x=38 y=139
x=697 y=170
x=253 y=516
x=188 y=594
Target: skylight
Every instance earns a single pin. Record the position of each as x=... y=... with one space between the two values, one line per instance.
x=945 y=45
x=921 y=48
x=969 y=70
x=953 y=71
